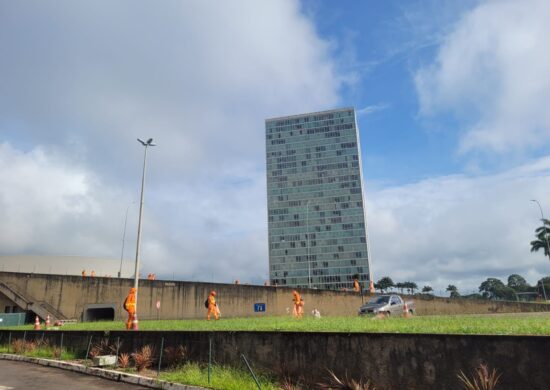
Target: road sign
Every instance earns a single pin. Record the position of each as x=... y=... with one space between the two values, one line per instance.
x=259 y=307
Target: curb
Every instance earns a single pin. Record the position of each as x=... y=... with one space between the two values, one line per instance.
x=112 y=375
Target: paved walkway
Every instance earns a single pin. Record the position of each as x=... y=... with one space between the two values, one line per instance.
x=28 y=376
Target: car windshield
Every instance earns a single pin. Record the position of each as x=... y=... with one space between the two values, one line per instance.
x=380 y=300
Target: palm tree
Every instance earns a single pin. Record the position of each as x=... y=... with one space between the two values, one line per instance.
x=543 y=238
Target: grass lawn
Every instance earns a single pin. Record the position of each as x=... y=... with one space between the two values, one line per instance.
x=225 y=378
x=42 y=352
x=460 y=324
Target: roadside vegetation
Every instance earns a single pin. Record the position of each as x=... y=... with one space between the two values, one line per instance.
x=178 y=368
x=513 y=324
x=222 y=378
x=37 y=349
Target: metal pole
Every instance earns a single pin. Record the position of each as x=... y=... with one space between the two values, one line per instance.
x=546 y=239
x=136 y=275
x=209 y=357
x=251 y=372
x=123 y=239
x=160 y=357
x=61 y=347
x=307 y=236
x=88 y=350
x=117 y=349
x=138 y=243
x=9 y=342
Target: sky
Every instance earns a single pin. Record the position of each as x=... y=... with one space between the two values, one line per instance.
x=451 y=99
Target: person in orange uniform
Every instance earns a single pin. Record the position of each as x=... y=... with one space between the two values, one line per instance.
x=130 y=307
x=356 y=286
x=298 y=309
x=212 y=307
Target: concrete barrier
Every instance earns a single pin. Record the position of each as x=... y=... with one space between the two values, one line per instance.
x=74 y=295
x=391 y=361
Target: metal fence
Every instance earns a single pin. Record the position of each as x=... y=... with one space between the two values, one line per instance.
x=12 y=319
x=165 y=350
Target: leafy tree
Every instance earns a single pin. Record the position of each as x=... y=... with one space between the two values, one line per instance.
x=427 y=289
x=518 y=283
x=411 y=286
x=453 y=290
x=543 y=238
x=540 y=290
x=400 y=286
x=493 y=288
x=385 y=283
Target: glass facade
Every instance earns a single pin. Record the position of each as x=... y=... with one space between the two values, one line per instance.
x=316 y=218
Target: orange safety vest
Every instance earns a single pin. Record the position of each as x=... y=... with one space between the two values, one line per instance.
x=130 y=302
x=211 y=300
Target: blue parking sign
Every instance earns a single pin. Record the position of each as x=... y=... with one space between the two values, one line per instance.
x=259 y=307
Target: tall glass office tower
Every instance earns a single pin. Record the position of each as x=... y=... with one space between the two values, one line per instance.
x=317 y=229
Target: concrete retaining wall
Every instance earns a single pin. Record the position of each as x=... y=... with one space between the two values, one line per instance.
x=71 y=295
x=391 y=361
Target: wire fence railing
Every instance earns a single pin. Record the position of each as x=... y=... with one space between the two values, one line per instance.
x=149 y=353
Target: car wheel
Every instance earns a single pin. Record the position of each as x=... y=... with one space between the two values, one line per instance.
x=387 y=314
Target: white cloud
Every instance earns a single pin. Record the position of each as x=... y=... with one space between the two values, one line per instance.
x=200 y=77
x=459 y=229
x=491 y=71
x=42 y=201
x=82 y=80
x=368 y=110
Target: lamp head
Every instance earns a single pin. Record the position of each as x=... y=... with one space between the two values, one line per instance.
x=148 y=143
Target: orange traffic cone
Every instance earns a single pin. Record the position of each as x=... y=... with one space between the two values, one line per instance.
x=135 y=322
x=48 y=323
x=406 y=312
x=36 y=323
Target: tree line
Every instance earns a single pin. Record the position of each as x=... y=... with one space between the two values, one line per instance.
x=492 y=288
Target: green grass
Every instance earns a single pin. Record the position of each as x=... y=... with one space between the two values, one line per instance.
x=460 y=324
x=47 y=353
x=43 y=352
x=225 y=378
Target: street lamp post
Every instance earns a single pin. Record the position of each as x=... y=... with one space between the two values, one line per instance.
x=123 y=239
x=545 y=239
x=136 y=275
x=307 y=236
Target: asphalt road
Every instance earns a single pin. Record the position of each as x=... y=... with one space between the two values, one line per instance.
x=28 y=376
